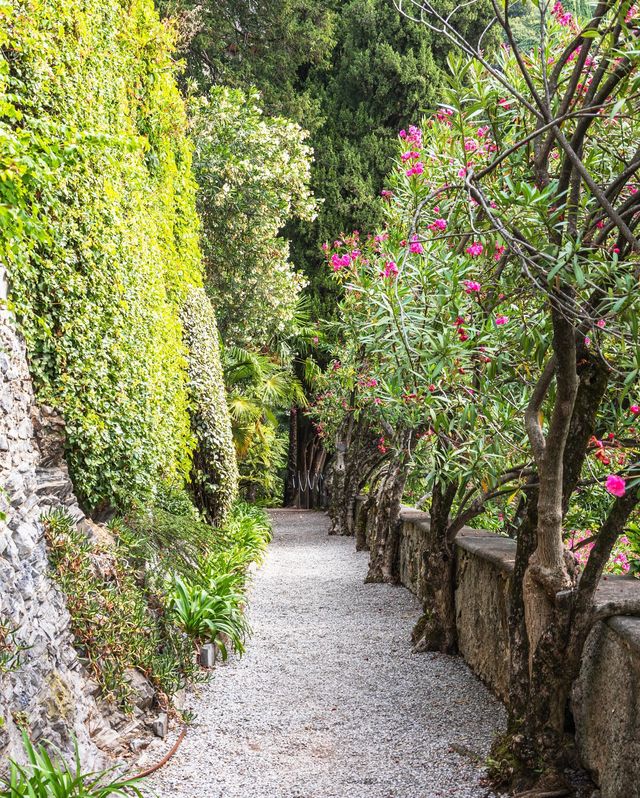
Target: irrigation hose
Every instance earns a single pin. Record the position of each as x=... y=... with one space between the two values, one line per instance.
x=163 y=761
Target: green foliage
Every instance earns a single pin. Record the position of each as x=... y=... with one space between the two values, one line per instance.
x=119 y=621
x=44 y=777
x=248 y=530
x=215 y=472
x=258 y=386
x=269 y=43
x=253 y=172
x=209 y=605
x=211 y=613
x=352 y=73
x=99 y=232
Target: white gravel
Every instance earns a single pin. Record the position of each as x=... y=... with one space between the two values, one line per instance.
x=329 y=700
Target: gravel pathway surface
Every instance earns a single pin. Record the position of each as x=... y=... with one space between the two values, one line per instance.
x=329 y=701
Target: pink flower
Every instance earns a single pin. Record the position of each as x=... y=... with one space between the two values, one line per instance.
x=634 y=409
x=415 y=246
x=416 y=169
x=438 y=224
x=403 y=134
x=475 y=249
x=340 y=261
x=471 y=286
x=502 y=320
x=390 y=269
x=411 y=155
x=601 y=323
x=587 y=340
x=615 y=485
x=462 y=172
x=499 y=252
x=504 y=103
x=386 y=193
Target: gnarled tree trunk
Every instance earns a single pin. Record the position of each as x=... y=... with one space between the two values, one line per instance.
x=436 y=629
x=384 y=521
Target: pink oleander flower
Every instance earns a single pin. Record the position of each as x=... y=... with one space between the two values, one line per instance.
x=390 y=269
x=601 y=323
x=587 y=340
x=386 y=193
x=634 y=409
x=471 y=286
x=482 y=131
x=438 y=224
x=372 y=383
x=501 y=320
x=410 y=155
x=475 y=249
x=470 y=145
x=403 y=134
x=499 y=252
x=504 y=103
x=340 y=261
x=462 y=172
x=615 y=485
x=415 y=246
x=416 y=169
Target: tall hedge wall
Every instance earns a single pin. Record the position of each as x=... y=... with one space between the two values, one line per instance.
x=99 y=230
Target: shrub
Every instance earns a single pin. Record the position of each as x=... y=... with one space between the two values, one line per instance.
x=44 y=777
x=211 y=613
x=215 y=472
x=118 y=619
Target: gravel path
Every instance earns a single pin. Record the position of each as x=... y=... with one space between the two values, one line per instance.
x=329 y=701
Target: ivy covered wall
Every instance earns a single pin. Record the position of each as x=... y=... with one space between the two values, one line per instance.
x=100 y=233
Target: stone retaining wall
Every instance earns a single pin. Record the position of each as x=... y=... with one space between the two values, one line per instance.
x=43 y=689
x=606 y=697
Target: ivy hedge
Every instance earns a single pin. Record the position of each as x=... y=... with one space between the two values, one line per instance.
x=99 y=230
x=215 y=471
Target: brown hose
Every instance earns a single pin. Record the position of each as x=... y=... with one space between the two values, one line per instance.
x=163 y=761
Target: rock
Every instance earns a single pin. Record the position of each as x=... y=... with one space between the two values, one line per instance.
x=142 y=692
x=207 y=656
x=160 y=726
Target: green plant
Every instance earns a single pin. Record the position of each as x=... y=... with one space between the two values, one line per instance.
x=214 y=474
x=119 y=618
x=100 y=233
x=211 y=613
x=10 y=647
x=248 y=530
x=44 y=777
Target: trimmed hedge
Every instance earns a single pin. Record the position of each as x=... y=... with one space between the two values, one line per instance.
x=99 y=230
x=215 y=471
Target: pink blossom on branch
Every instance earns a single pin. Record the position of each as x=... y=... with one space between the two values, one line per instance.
x=390 y=269
x=502 y=320
x=615 y=485
x=471 y=286
x=475 y=249
x=415 y=246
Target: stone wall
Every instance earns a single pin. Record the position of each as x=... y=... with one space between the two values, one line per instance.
x=42 y=687
x=606 y=696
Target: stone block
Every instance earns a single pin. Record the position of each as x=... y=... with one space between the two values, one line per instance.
x=207 y=655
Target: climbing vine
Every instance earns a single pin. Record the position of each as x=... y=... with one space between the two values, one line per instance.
x=98 y=206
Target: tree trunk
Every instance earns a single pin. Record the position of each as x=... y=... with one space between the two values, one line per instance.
x=385 y=522
x=541 y=675
x=356 y=455
x=436 y=629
